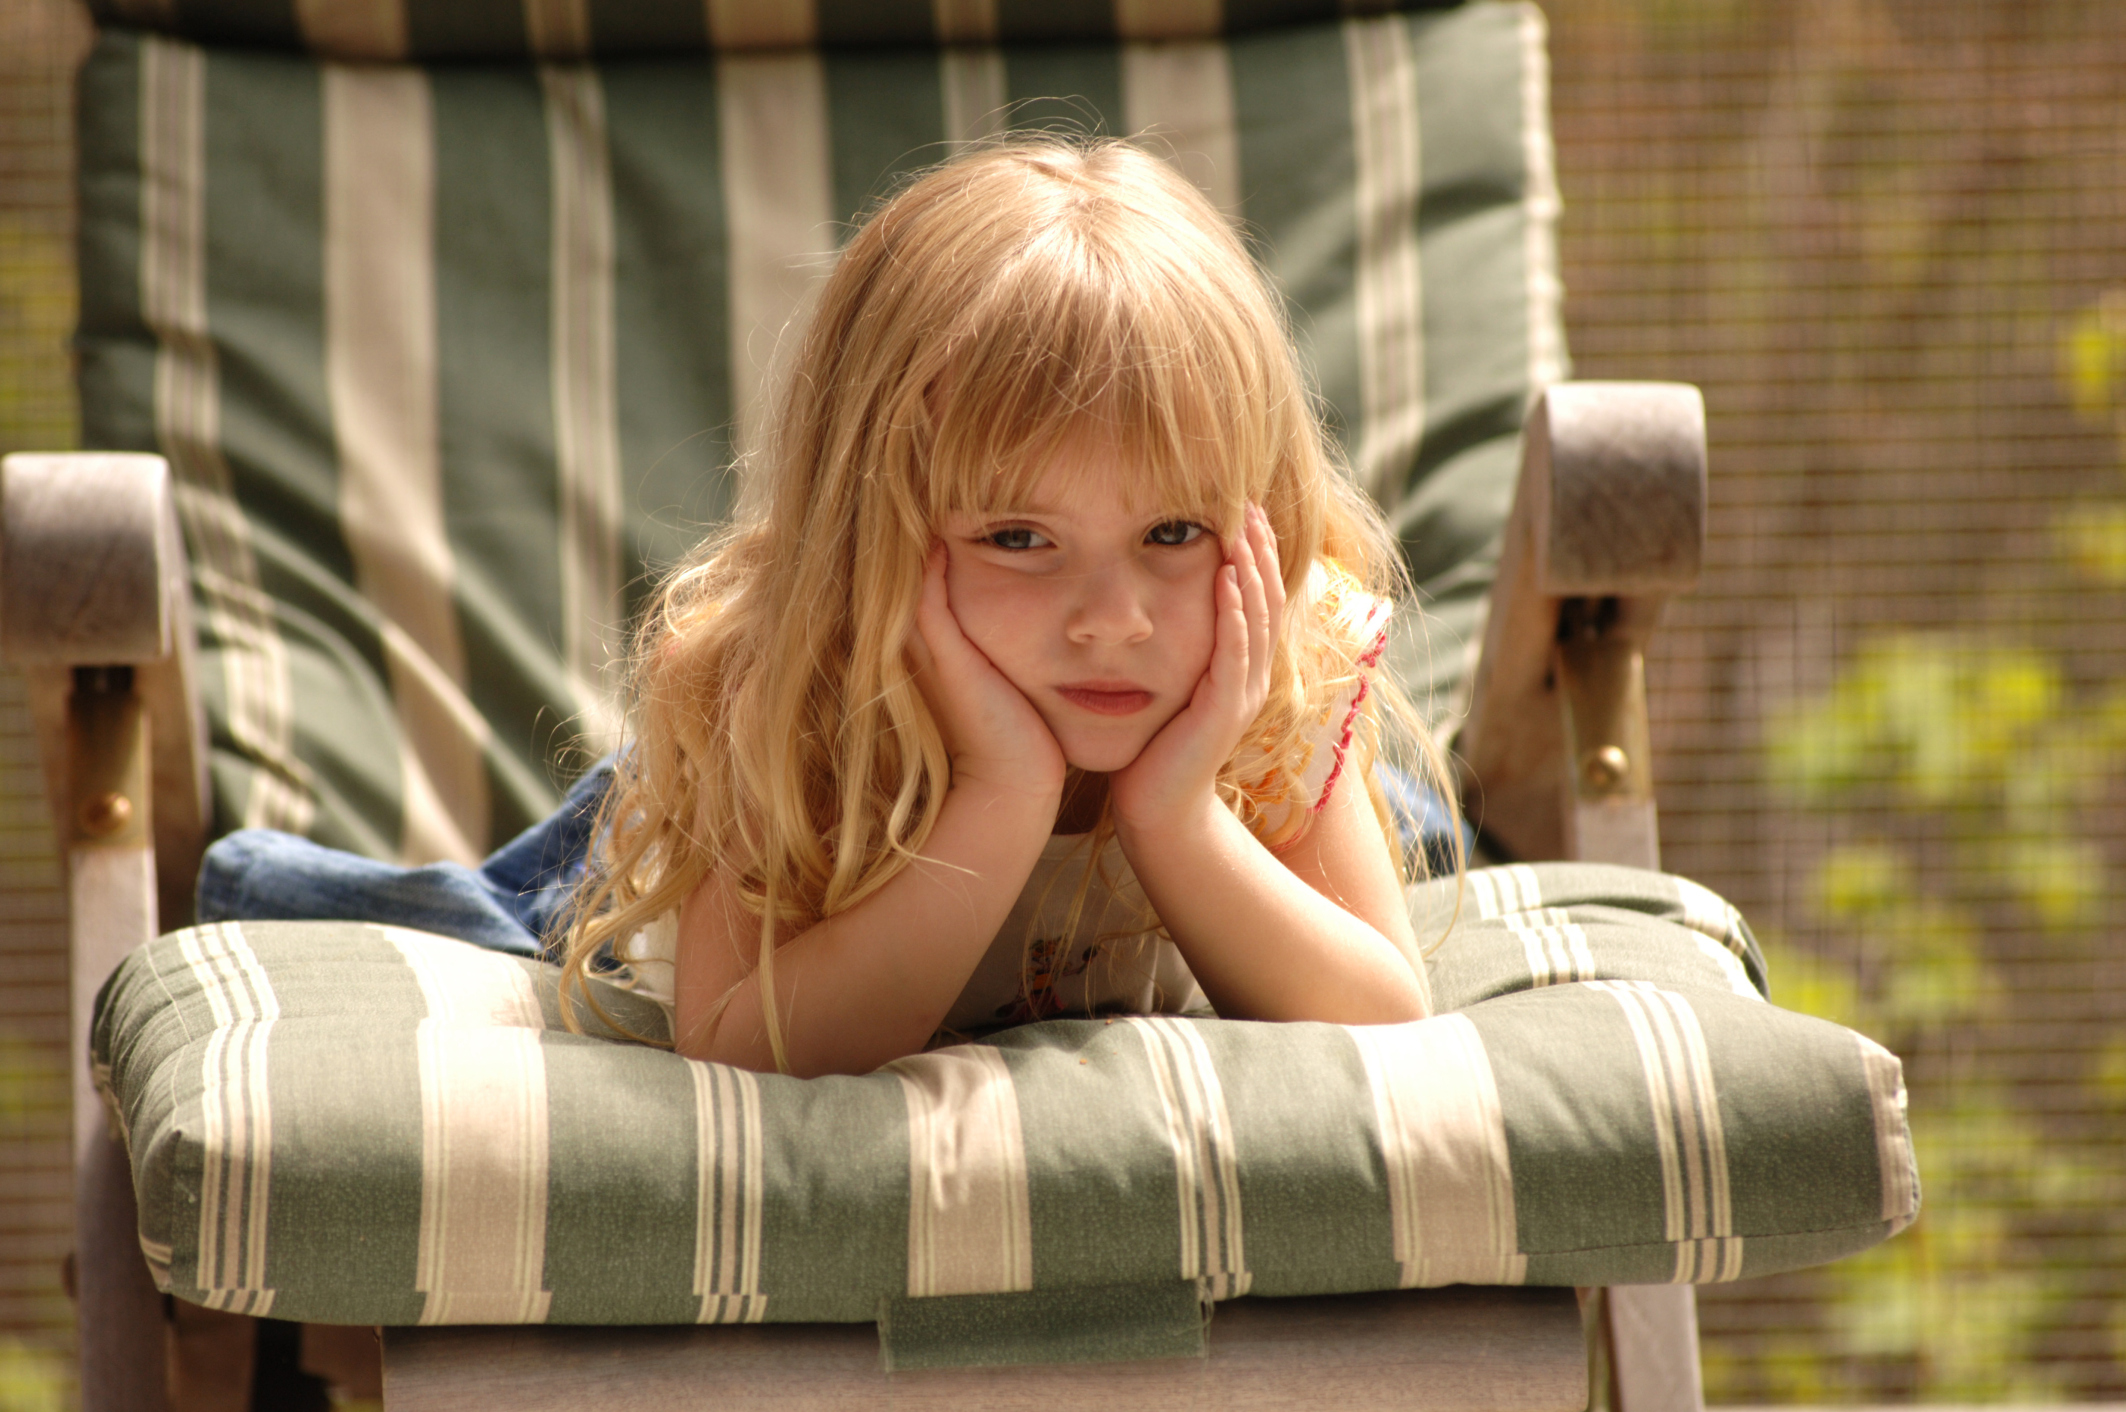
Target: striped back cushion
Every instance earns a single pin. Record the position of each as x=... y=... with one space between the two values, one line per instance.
x=579 y=29
x=448 y=360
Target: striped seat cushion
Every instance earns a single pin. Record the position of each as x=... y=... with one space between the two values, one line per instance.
x=344 y=1123
x=448 y=360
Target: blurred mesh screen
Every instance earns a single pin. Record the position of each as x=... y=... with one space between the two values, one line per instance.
x=1885 y=237
x=40 y=41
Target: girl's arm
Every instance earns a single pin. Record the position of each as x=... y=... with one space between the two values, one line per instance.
x=1316 y=932
x=873 y=983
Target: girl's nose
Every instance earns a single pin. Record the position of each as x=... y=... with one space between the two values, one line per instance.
x=1109 y=610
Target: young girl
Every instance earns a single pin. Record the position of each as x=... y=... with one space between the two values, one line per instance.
x=1035 y=676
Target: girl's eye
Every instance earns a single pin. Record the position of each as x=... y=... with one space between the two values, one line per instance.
x=1015 y=537
x=1173 y=532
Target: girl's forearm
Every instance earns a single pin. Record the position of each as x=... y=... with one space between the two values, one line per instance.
x=1261 y=942
x=873 y=983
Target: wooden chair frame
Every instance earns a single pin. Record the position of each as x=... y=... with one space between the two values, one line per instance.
x=1607 y=523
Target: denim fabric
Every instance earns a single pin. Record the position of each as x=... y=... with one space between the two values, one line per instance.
x=509 y=903
x=1423 y=819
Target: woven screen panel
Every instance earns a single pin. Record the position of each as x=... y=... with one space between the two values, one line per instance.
x=1885 y=238
x=40 y=41
x=447 y=362
x=425 y=30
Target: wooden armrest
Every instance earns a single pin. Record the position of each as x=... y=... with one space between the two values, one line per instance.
x=1608 y=522
x=93 y=575
x=95 y=609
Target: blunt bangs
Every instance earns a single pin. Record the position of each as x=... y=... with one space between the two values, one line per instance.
x=1116 y=326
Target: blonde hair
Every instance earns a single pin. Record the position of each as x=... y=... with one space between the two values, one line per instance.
x=1032 y=291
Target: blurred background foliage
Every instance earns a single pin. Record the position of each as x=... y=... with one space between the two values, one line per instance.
x=1891 y=725
x=1983 y=772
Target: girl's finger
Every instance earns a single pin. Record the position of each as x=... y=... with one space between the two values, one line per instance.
x=1229 y=659
x=1255 y=588
x=934 y=618
x=1272 y=572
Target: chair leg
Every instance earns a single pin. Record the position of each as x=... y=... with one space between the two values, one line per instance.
x=1653 y=1331
x=348 y=1358
x=123 y=1329
x=212 y=1358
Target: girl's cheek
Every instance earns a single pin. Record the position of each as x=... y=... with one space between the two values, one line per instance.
x=1189 y=617
x=992 y=605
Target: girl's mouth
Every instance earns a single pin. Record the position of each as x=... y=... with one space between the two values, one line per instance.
x=1106 y=698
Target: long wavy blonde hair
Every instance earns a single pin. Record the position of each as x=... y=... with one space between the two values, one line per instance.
x=1033 y=291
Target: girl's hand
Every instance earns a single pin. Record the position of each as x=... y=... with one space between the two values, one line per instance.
x=1177 y=770
x=991 y=730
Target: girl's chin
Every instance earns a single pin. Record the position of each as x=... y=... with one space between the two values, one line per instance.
x=1100 y=762
x=1102 y=749
x=1102 y=757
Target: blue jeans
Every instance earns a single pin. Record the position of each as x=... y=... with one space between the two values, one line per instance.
x=509 y=903
x=512 y=901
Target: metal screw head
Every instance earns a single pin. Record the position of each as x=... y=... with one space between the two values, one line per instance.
x=1604 y=768
x=106 y=814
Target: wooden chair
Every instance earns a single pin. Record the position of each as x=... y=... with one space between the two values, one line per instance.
x=98 y=605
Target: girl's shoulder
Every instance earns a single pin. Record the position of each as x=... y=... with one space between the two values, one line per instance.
x=1355 y=624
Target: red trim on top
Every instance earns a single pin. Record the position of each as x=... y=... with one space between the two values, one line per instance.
x=1370 y=659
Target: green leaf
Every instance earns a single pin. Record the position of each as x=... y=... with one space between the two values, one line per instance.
x=31 y=1379
x=2092 y=538
x=2060 y=879
x=1858 y=881
x=2093 y=356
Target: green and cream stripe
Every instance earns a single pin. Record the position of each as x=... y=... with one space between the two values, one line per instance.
x=1893 y=1151
x=727 y=1227
x=1386 y=143
x=972 y=82
x=1612 y=1131
x=585 y=395
x=380 y=369
x=1199 y=1132
x=779 y=212
x=1708 y=913
x=484 y=1143
x=1697 y=1209
x=970 y=1227
x=369 y=30
x=1443 y=1142
x=1177 y=99
x=1556 y=946
x=1499 y=892
x=427 y=597
x=187 y=400
x=1721 y=933
x=236 y=1121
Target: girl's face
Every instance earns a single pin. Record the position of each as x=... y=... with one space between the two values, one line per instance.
x=1099 y=611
